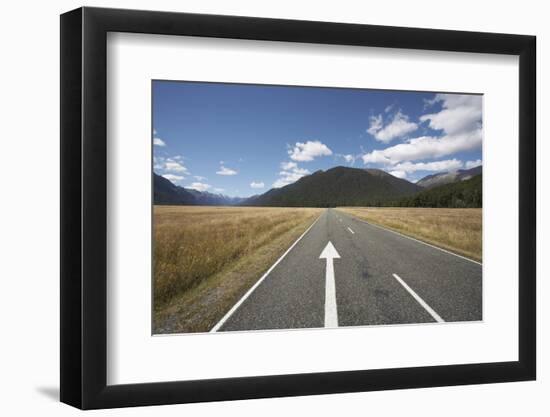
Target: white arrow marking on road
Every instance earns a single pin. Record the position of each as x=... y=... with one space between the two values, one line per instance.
x=331 y=312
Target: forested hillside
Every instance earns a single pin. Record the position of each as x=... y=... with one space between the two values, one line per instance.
x=462 y=194
x=339 y=186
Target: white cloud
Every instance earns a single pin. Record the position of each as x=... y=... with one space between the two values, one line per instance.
x=308 y=151
x=430 y=102
x=171 y=165
x=281 y=182
x=472 y=164
x=290 y=173
x=376 y=157
x=173 y=178
x=254 y=184
x=288 y=165
x=349 y=158
x=158 y=163
x=298 y=171
x=376 y=123
x=218 y=190
x=225 y=171
x=459 y=120
x=199 y=186
x=398 y=127
x=425 y=147
x=158 y=142
x=440 y=166
x=162 y=164
x=460 y=113
x=399 y=174
x=199 y=177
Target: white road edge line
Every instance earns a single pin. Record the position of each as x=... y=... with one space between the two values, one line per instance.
x=264 y=276
x=436 y=316
x=352 y=232
x=416 y=240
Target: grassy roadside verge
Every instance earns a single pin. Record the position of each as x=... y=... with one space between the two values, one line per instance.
x=457 y=230
x=206 y=258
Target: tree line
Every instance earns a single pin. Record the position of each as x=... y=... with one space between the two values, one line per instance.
x=462 y=194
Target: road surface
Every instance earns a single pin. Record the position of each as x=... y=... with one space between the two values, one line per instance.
x=346 y=272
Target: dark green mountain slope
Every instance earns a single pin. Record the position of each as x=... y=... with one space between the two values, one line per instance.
x=340 y=186
x=462 y=194
x=165 y=192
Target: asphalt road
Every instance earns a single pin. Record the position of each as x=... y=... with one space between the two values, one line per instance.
x=380 y=277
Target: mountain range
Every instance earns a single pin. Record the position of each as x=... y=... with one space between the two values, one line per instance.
x=166 y=192
x=344 y=186
x=466 y=193
x=443 y=178
x=339 y=186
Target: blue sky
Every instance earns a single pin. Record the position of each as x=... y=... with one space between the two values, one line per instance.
x=241 y=140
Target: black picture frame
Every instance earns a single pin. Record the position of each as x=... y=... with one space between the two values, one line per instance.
x=84 y=207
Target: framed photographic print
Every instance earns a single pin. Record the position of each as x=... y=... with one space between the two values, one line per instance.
x=258 y=207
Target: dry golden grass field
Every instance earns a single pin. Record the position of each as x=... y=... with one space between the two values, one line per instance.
x=206 y=258
x=458 y=230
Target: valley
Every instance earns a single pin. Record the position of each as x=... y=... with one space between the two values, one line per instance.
x=227 y=263
x=343 y=186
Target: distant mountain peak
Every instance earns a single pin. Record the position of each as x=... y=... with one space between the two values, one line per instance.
x=337 y=186
x=166 y=192
x=449 y=177
x=379 y=172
